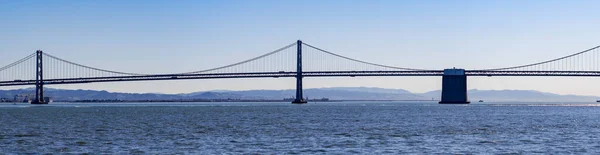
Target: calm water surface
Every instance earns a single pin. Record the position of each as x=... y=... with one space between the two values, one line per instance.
x=282 y=128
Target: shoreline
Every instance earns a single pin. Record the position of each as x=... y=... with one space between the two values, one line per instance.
x=223 y=100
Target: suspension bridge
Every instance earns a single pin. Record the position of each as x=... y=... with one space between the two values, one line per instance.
x=297 y=60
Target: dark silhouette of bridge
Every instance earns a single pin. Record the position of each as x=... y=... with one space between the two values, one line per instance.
x=297 y=60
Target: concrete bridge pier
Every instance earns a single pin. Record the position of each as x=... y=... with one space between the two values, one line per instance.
x=454 y=87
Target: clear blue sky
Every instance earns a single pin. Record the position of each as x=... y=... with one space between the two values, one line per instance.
x=179 y=36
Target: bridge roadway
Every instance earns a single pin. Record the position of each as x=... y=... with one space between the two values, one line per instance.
x=293 y=74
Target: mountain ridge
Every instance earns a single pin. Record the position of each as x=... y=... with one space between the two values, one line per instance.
x=333 y=93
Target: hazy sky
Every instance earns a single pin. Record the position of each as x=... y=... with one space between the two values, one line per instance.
x=178 y=36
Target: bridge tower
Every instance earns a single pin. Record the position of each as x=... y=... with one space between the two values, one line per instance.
x=39 y=79
x=299 y=96
x=454 y=87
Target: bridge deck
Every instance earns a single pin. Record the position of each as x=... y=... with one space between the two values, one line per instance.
x=293 y=74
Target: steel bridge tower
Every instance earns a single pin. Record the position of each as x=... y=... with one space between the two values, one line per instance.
x=299 y=97
x=39 y=79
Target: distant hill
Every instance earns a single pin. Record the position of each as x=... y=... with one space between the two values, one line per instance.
x=335 y=93
x=517 y=95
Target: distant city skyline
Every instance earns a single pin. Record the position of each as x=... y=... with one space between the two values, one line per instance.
x=167 y=37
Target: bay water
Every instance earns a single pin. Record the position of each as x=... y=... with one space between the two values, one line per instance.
x=314 y=128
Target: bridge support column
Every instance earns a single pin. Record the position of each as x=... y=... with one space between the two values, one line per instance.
x=39 y=80
x=454 y=87
x=299 y=96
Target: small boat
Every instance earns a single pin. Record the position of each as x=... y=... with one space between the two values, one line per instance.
x=480 y=100
x=597 y=100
